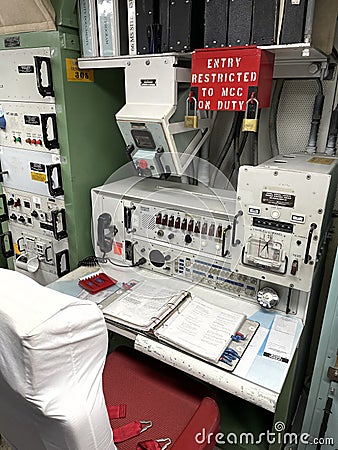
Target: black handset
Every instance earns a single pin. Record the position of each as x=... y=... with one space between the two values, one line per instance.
x=105 y=233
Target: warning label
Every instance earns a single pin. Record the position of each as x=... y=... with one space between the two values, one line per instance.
x=321 y=160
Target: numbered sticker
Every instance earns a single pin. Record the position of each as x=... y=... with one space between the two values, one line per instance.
x=74 y=73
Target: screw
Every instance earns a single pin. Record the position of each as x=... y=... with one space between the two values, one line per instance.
x=275 y=173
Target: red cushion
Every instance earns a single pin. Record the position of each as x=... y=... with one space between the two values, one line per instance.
x=154 y=391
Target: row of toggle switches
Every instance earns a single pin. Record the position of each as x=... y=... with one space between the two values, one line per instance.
x=189 y=225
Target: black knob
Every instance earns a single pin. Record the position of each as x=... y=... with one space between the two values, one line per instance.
x=160 y=233
x=171 y=236
x=10 y=202
x=34 y=214
x=188 y=239
x=13 y=216
x=22 y=219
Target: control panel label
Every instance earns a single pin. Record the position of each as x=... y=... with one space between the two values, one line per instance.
x=74 y=73
x=148 y=82
x=278 y=198
x=16 y=249
x=12 y=41
x=32 y=120
x=321 y=160
x=37 y=176
x=26 y=69
x=37 y=167
x=38 y=172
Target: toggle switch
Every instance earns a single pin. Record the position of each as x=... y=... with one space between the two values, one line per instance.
x=294 y=267
x=158 y=219
x=211 y=230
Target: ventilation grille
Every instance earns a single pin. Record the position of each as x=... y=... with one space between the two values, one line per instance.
x=148 y=221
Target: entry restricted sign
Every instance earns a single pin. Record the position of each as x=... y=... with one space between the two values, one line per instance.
x=225 y=78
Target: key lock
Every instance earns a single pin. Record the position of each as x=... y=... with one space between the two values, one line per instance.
x=251 y=124
x=191 y=120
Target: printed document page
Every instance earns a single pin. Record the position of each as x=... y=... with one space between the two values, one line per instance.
x=144 y=306
x=201 y=328
x=280 y=342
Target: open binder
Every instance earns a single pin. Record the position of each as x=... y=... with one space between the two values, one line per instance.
x=185 y=322
x=145 y=306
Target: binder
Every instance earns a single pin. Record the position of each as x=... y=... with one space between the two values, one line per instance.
x=186 y=25
x=112 y=27
x=240 y=19
x=216 y=23
x=264 y=22
x=145 y=306
x=146 y=26
x=293 y=21
x=131 y=16
x=164 y=25
x=88 y=28
x=201 y=328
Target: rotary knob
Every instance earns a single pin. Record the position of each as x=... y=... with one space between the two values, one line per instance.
x=267 y=297
x=188 y=239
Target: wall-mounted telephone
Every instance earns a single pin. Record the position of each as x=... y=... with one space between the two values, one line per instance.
x=105 y=233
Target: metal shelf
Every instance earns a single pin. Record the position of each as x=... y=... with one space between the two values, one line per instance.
x=103 y=62
x=291 y=61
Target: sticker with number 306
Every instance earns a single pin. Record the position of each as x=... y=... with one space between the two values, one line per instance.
x=74 y=73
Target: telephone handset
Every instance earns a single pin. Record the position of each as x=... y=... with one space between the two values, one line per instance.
x=105 y=233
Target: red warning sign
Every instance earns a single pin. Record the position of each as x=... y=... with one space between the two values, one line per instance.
x=224 y=78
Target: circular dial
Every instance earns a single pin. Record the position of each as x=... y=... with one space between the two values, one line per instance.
x=267 y=297
x=157 y=258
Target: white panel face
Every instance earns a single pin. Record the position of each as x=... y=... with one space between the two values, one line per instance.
x=38 y=256
x=36 y=213
x=30 y=126
x=34 y=172
x=283 y=213
x=25 y=75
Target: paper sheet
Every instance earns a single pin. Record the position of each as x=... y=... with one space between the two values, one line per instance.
x=279 y=345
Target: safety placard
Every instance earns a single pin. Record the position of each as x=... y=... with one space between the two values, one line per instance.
x=321 y=160
x=74 y=73
x=225 y=78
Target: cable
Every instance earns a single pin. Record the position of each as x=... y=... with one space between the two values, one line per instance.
x=138 y=263
x=240 y=151
x=96 y=261
x=330 y=148
x=225 y=149
x=273 y=116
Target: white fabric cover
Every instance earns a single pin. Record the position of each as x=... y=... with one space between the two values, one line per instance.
x=52 y=353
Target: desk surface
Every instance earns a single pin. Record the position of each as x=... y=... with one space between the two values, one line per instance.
x=256 y=378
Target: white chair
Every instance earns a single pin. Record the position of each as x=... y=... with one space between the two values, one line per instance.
x=52 y=353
